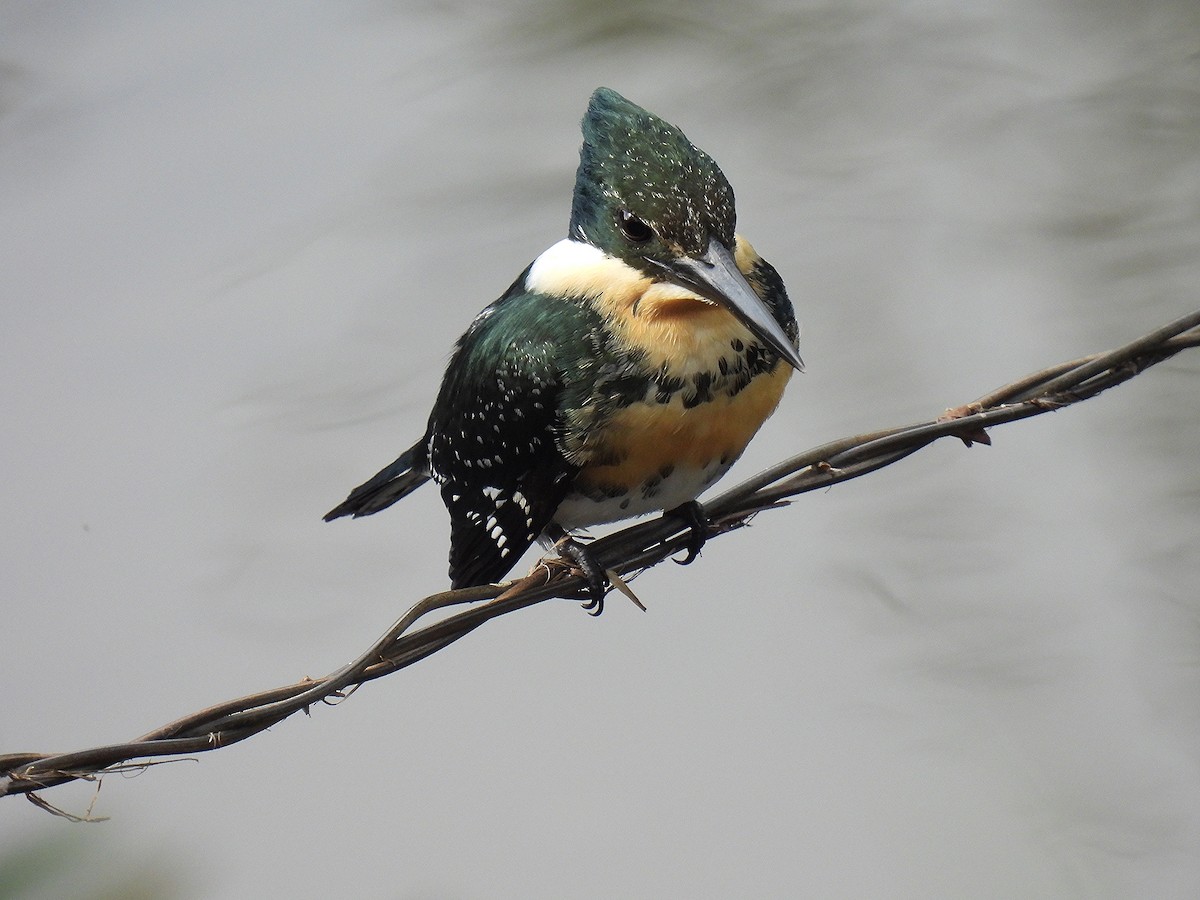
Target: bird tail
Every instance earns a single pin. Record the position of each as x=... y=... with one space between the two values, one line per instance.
x=394 y=483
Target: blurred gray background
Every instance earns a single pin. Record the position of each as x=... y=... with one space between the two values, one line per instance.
x=237 y=243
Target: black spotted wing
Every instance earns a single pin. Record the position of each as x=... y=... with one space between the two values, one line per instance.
x=494 y=431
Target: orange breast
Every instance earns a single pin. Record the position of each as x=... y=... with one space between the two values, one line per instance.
x=645 y=439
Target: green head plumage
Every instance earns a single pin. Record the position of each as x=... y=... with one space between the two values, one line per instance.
x=643 y=189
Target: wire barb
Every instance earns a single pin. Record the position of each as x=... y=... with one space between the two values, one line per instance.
x=623 y=554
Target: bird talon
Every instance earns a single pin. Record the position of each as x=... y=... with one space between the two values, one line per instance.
x=580 y=557
x=693 y=515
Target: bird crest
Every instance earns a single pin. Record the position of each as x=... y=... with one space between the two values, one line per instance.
x=643 y=189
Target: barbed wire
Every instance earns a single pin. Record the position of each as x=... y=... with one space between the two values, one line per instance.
x=622 y=554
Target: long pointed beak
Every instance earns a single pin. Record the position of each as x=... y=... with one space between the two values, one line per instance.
x=716 y=277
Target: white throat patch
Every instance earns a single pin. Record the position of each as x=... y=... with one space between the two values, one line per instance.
x=574 y=269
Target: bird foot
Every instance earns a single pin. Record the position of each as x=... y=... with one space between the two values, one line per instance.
x=581 y=557
x=693 y=515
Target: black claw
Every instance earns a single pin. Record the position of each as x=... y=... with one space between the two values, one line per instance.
x=693 y=514
x=581 y=556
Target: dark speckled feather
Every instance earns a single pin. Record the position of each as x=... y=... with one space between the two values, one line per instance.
x=495 y=429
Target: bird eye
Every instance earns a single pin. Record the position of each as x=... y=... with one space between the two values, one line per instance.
x=634 y=228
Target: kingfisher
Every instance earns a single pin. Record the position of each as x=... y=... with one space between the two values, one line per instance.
x=622 y=373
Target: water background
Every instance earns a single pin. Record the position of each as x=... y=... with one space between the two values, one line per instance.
x=236 y=245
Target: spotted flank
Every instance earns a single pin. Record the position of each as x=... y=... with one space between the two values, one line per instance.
x=668 y=448
x=622 y=373
x=600 y=503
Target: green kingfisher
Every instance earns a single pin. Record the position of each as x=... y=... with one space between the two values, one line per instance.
x=622 y=373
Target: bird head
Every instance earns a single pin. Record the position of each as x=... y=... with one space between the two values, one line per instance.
x=647 y=195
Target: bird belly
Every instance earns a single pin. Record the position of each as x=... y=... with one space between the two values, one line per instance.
x=650 y=456
x=579 y=510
